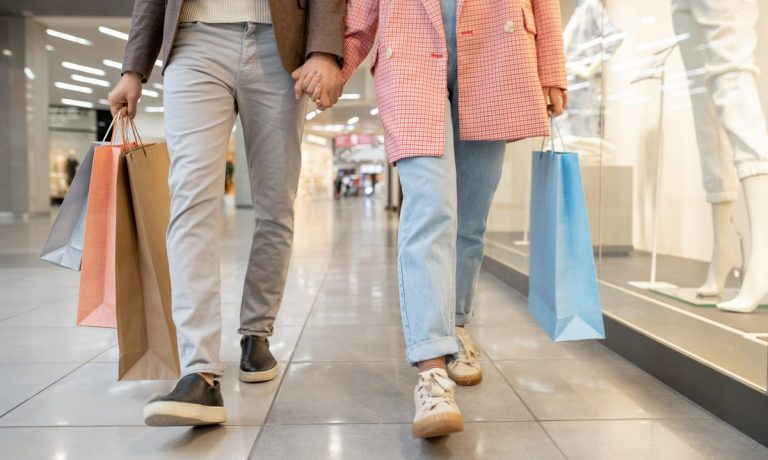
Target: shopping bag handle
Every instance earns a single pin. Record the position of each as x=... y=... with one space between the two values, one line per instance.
x=553 y=125
x=119 y=124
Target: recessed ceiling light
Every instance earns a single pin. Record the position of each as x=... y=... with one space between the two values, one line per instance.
x=111 y=63
x=69 y=87
x=353 y=120
x=89 y=80
x=29 y=73
x=76 y=103
x=375 y=111
x=82 y=68
x=153 y=109
x=350 y=96
x=159 y=63
x=150 y=93
x=103 y=102
x=312 y=114
x=113 y=33
x=68 y=37
x=157 y=86
x=7 y=52
x=50 y=48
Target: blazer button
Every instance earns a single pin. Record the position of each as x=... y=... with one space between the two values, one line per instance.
x=509 y=27
x=388 y=53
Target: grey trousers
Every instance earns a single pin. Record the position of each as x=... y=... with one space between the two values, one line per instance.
x=215 y=72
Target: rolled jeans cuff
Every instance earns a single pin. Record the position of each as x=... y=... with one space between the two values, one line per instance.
x=432 y=349
x=215 y=369
x=462 y=319
x=752 y=168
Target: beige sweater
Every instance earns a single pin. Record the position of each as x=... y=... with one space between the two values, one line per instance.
x=219 y=11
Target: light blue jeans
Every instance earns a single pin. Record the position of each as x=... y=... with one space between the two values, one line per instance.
x=446 y=201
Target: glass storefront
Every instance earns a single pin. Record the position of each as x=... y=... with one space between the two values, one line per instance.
x=668 y=101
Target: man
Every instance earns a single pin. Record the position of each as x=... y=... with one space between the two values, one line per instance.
x=222 y=58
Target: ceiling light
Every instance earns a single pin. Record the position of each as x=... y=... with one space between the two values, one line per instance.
x=350 y=96
x=89 y=80
x=68 y=37
x=317 y=139
x=353 y=120
x=103 y=102
x=50 y=48
x=648 y=20
x=111 y=63
x=312 y=114
x=153 y=109
x=159 y=63
x=79 y=89
x=157 y=86
x=150 y=93
x=82 y=68
x=375 y=111
x=29 y=73
x=113 y=33
x=76 y=103
x=7 y=52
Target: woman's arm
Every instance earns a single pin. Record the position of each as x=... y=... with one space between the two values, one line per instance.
x=550 y=52
x=362 y=24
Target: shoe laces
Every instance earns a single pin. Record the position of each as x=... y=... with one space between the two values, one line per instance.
x=467 y=352
x=435 y=389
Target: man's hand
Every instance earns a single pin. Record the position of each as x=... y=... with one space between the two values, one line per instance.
x=125 y=96
x=556 y=100
x=320 y=79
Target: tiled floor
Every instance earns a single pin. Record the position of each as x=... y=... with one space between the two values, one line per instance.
x=344 y=390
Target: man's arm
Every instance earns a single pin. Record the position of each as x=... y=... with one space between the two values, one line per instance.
x=145 y=38
x=325 y=27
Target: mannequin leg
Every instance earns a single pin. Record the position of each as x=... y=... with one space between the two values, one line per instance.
x=755 y=285
x=723 y=254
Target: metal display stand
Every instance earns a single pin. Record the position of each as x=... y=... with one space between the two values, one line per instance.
x=657 y=71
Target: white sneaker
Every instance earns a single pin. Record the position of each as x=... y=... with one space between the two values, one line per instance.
x=464 y=369
x=436 y=411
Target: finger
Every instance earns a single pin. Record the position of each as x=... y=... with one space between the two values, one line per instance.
x=565 y=99
x=132 y=107
x=308 y=78
x=314 y=87
x=317 y=93
x=296 y=74
x=298 y=91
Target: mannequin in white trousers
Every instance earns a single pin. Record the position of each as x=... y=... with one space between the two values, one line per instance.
x=732 y=135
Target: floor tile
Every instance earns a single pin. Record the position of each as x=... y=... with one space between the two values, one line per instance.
x=351 y=343
x=18 y=382
x=54 y=345
x=128 y=443
x=92 y=396
x=608 y=388
x=653 y=439
x=59 y=314
x=519 y=440
x=505 y=342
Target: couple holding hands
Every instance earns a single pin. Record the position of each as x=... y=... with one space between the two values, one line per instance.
x=455 y=81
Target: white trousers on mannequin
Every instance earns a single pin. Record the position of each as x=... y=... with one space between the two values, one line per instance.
x=730 y=124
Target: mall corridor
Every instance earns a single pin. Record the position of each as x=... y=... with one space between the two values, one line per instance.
x=345 y=390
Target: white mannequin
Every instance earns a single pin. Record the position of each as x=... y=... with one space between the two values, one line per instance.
x=732 y=135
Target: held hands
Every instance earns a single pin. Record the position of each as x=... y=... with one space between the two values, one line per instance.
x=125 y=96
x=556 y=100
x=320 y=79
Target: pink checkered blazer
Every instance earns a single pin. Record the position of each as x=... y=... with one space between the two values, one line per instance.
x=507 y=50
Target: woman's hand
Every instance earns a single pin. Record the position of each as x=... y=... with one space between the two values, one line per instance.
x=556 y=100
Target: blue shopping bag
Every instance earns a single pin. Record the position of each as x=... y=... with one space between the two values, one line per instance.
x=563 y=294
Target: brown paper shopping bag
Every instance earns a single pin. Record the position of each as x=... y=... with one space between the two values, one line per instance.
x=145 y=329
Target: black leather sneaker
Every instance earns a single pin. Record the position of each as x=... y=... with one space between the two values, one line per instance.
x=193 y=402
x=256 y=363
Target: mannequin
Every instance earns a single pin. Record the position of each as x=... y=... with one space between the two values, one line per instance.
x=731 y=133
x=590 y=38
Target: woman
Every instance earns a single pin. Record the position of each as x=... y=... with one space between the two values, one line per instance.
x=455 y=80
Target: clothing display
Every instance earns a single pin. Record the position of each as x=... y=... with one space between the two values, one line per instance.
x=590 y=38
x=197 y=97
x=730 y=124
x=221 y=11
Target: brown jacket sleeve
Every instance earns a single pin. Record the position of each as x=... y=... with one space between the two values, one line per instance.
x=145 y=38
x=325 y=28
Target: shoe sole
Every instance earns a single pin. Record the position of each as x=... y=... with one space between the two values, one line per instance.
x=258 y=377
x=438 y=425
x=467 y=381
x=169 y=413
